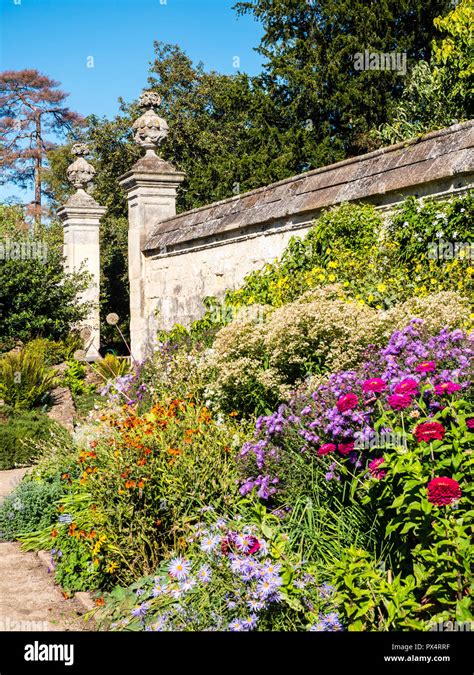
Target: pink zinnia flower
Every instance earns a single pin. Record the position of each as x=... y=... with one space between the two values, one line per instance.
x=429 y=431
x=399 y=401
x=347 y=402
x=345 y=448
x=470 y=423
x=326 y=448
x=447 y=388
x=407 y=386
x=374 y=468
x=426 y=367
x=443 y=491
x=374 y=385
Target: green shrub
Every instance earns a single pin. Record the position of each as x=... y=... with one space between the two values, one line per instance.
x=32 y=506
x=112 y=366
x=54 y=352
x=25 y=381
x=20 y=436
x=74 y=378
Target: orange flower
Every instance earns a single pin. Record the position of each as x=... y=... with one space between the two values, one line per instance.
x=99 y=602
x=234 y=413
x=147 y=451
x=141 y=462
x=174 y=451
x=54 y=534
x=72 y=529
x=141 y=484
x=130 y=484
x=93 y=444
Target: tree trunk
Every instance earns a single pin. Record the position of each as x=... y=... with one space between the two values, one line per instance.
x=38 y=169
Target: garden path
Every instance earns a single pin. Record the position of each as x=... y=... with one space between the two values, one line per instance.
x=29 y=599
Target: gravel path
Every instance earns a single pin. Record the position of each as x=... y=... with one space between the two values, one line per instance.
x=29 y=599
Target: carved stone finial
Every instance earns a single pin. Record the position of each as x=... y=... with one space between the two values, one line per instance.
x=150 y=129
x=80 y=172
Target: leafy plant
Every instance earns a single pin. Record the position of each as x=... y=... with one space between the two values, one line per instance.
x=21 y=436
x=32 y=506
x=25 y=381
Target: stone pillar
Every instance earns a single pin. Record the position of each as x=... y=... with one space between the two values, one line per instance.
x=80 y=217
x=151 y=186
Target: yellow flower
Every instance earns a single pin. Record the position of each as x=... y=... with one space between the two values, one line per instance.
x=382 y=288
x=433 y=282
x=112 y=567
x=321 y=277
x=332 y=264
x=332 y=277
x=370 y=298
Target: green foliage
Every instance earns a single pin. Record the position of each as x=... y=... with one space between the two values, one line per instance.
x=140 y=487
x=39 y=299
x=438 y=93
x=370 y=599
x=377 y=265
x=53 y=353
x=324 y=106
x=432 y=542
x=112 y=366
x=20 y=435
x=32 y=506
x=74 y=378
x=25 y=381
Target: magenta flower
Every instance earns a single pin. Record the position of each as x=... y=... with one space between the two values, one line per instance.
x=326 y=448
x=374 y=468
x=426 y=367
x=345 y=448
x=399 y=401
x=347 y=402
x=429 y=431
x=447 y=388
x=375 y=384
x=407 y=386
x=443 y=491
x=470 y=423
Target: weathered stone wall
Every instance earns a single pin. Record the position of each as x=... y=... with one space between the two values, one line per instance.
x=205 y=251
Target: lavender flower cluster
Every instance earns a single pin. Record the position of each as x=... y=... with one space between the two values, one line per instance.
x=125 y=389
x=339 y=416
x=235 y=570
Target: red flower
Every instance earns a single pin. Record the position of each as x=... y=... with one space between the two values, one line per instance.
x=429 y=431
x=399 y=401
x=443 y=491
x=325 y=448
x=374 y=468
x=426 y=367
x=447 y=388
x=347 y=402
x=470 y=423
x=345 y=448
x=254 y=547
x=407 y=386
x=375 y=384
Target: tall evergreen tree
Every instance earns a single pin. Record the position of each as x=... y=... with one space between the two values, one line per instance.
x=328 y=107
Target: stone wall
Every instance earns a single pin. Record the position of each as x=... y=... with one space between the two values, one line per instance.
x=208 y=250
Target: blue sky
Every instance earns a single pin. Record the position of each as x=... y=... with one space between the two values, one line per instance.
x=58 y=37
